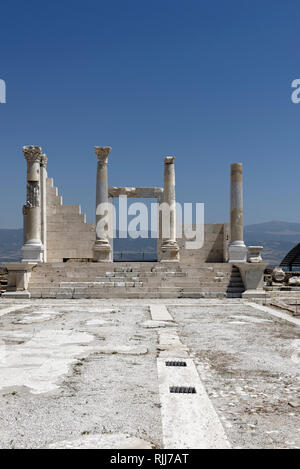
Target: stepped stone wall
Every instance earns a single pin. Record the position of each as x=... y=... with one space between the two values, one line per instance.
x=68 y=234
x=70 y=237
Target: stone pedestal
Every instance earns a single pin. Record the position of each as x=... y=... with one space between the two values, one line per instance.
x=102 y=247
x=237 y=251
x=169 y=246
x=253 y=279
x=18 y=278
x=254 y=254
x=32 y=250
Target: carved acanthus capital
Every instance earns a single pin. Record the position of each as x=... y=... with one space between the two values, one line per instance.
x=102 y=154
x=44 y=160
x=169 y=159
x=32 y=153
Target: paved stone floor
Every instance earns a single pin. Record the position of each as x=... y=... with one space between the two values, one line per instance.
x=91 y=373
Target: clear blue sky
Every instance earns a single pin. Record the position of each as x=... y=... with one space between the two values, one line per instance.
x=206 y=81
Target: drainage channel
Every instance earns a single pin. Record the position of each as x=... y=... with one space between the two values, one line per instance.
x=189 y=420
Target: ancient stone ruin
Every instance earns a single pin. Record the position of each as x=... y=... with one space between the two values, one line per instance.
x=65 y=257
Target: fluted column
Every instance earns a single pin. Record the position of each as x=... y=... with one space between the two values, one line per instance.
x=237 y=251
x=33 y=247
x=102 y=248
x=169 y=248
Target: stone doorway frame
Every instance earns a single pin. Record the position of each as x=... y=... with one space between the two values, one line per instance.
x=139 y=193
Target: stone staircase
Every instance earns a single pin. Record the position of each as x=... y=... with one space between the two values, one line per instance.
x=235 y=287
x=134 y=280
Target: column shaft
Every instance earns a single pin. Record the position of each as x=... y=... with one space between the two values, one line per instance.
x=237 y=248
x=32 y=249
x=102 y=248
x=169 y=248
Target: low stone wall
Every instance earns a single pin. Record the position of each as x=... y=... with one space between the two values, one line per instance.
x=214 y=248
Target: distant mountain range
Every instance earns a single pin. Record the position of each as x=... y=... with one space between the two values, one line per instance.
x=277 y=237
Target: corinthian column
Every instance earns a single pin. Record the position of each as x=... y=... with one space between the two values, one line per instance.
x=102 y=247
x=237 y=251
x=33 y=247
x=169 y=248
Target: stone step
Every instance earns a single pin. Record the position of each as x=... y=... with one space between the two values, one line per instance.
x=234 y=295
x=101 y=281
x=100 y=284
x=235 y=290
x=129 y=295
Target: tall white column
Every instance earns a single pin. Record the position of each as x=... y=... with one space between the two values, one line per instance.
x=43 y=171
x=102 y=247
x=33 y=248
x=237 y=251
x=169 y=247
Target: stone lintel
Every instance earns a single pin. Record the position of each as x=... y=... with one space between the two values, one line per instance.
x=136 y=192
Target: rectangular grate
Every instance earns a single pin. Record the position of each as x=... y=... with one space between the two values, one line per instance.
x=183 y=389
x=175 y=363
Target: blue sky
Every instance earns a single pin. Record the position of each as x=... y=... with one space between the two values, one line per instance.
x=206 y=81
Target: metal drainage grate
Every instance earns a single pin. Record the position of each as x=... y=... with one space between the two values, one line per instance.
x=176 y=363
x=183 y=389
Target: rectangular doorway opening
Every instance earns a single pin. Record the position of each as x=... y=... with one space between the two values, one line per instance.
x=138 y=241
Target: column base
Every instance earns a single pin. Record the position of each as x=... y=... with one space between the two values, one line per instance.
x=32 y=253
x=237 y=252
x=102 y=252
x=170 y=252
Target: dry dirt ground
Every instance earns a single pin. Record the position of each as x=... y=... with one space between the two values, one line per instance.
x=83 y=373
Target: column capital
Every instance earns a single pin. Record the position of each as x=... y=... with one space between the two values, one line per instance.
x=102 y=153
x=44 y=160
x=236 y=169
x=169 y=159
x=32 y=153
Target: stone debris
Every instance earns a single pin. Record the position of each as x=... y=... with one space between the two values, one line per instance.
x=294 y=281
